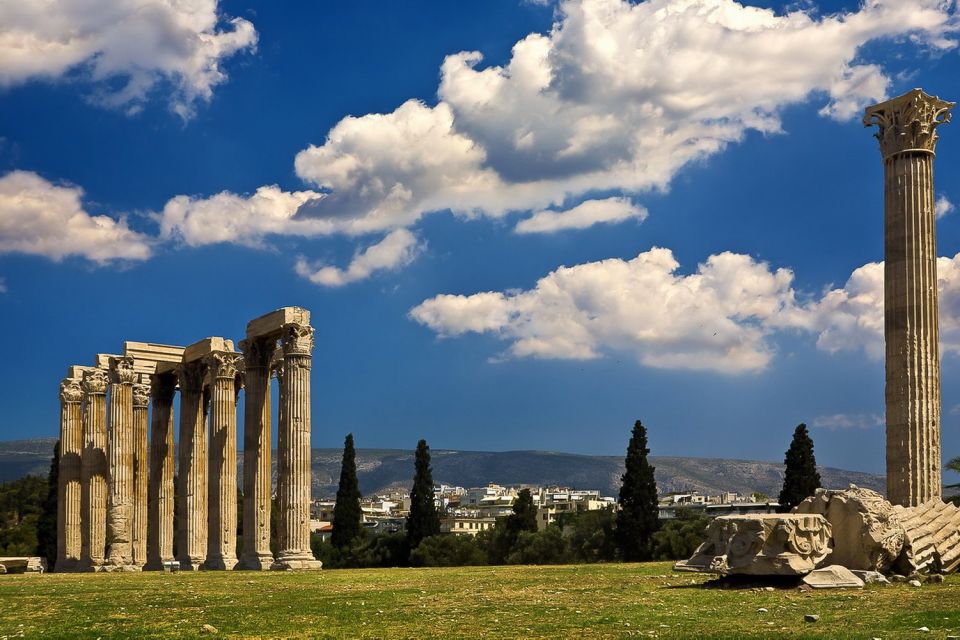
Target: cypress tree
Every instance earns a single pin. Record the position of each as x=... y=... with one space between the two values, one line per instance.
x=47 y=522
x=637 y=518
x=347 y=516
x=800 y=478
x=423 y=521
x=524 y=517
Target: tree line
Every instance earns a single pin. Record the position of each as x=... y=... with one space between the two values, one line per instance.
x=632 y=533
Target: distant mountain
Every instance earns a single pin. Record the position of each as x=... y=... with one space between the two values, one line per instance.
x=380 y=470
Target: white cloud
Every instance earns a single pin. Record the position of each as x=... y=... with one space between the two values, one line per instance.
x=585 y=214
x=850 y=318
x=943 y=206
x=714 y=319
x=138 y=42
x=247 y=220
x=849 y=421
x=399 y=248
x=38 y=217
x=617 y=96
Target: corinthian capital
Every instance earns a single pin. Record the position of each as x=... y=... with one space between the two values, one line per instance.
x=141 y=395
x=95 y=381
x=121 y=370
x=223 y=364
x=297 y=339
x=257 y=352
x=70 y=390
x=190 y=376
x=908 y=122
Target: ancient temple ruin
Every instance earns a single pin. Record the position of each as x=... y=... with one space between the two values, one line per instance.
x=116 y=486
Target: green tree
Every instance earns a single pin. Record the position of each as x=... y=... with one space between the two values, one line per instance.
x=800 y=478
x=508 y=529
x=637 y=520
x=47 y=520
x=347 y=516
x=448 y=551
x=20 y=507
x=423 y=520
x=590 y=534
x=679 y=537
x=539 y=547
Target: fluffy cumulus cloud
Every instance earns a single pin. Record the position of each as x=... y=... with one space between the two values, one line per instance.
x=617 y=96
x=40 y=218
x=850 y=318
x=586 y=214
x=717 y=318
x=241 y=219
x=397 y=249
x=943 y=206
x=849 y=421
x=723 y=317
x=136 y=42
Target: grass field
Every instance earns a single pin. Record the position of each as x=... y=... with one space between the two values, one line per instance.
x=584 y=601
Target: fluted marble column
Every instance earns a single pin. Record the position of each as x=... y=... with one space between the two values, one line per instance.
x=192 y=492
x=141 y=401
x=907 y=142
x=93 y=472
x=222 y=367
x=120 y=458
x=161 y=491
x=293 y=450
x=69 y=474
x=257 y=472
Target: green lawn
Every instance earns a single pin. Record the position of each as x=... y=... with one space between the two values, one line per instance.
x=584 y=601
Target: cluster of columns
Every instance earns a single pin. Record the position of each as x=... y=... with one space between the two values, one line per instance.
x=117 y=497
x=908 y=138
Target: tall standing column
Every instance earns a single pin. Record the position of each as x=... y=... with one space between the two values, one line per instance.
x=908 y=140
x=120 y=457
x=141 y=400
x=93 y=471
x=192 y=492
x=293 y=472
x=69 y=474
x=222 y=369
x=160 y=490
x=257 y=471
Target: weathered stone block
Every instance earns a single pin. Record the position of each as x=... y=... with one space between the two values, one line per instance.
x=204 y=347
x=273 y=322
x=866 y=531
x=762 y=544
x=832 y=577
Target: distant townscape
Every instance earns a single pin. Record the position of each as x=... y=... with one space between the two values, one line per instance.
x=473 y=510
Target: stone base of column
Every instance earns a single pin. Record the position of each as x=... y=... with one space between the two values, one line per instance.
x=119 y=568
x=296 y=562
x=220 y=564
x=191 y=565
x=158 y=566
x=255 y=563
x=67 y=566
x=89 y=567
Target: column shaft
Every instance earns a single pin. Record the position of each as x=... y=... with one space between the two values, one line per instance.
x=293 y=473
x=120 y=457
x=192 y=492
x=257 y=472
x=911 y=330
x=69 y=476
x=161 y=491
x=93 y=478
x=222 y=541
x=141 y=399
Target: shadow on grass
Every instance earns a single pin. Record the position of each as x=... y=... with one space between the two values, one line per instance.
x=744 y=582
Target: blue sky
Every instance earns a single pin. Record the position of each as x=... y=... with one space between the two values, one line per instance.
x=667 y=211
